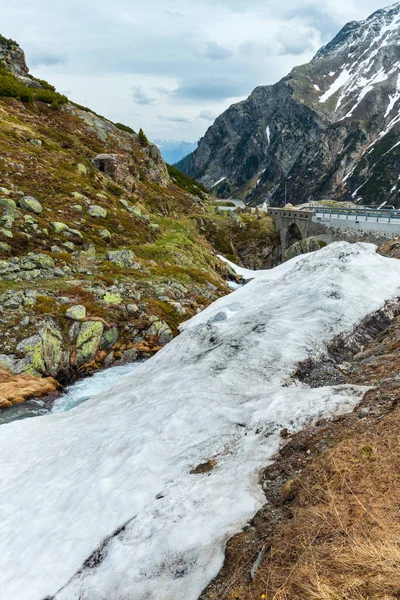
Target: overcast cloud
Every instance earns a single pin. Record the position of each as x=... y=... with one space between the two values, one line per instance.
x=171 y=66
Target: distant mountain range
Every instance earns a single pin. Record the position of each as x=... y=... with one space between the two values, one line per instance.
x=173 y=151
x=328 y=129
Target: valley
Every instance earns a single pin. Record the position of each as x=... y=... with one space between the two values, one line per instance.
x=199 y=374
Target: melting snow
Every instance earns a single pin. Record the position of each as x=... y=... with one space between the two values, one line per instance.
x=219 y=181
x=316 y=87
x=114 y=473
x=336 y=85
x=268 y=132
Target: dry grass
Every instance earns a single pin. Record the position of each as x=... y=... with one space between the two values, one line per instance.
x=342 y=538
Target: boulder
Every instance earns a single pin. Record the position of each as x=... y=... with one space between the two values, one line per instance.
x=105 y=234
x=30 y=204
x=97 y=211
x=112 y=298
x=162 y=330
x=82 y=169
x=88 y=341
x=122 y=258
x=52 y=345
x=109 y=338
x=76 y=313
x=59 y=227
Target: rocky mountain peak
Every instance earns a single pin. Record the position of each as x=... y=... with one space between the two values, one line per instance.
x=13 y=57
x=328 y=129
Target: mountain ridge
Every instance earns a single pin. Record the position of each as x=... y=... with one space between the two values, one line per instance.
x=310 y=133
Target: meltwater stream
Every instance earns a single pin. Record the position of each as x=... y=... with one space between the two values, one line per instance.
x=73 y=395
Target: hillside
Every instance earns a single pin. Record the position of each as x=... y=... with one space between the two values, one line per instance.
x=328 y=130
x=102 y=252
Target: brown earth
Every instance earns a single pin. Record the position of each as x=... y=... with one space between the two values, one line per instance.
x=15 y=389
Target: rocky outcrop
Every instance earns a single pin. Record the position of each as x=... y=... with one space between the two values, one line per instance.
x=311 y=244
x=13 y=56
x=327 y=130
x=15 y=389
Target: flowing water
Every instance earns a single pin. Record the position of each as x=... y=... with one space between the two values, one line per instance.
x=73 y=395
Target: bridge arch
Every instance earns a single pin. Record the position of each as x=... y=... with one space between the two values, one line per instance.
x=293 y=234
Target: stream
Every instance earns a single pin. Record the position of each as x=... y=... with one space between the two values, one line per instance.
x=73 y=395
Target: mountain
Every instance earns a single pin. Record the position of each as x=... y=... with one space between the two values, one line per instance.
x=173 y=151
x=328 y=129
x=104 y=250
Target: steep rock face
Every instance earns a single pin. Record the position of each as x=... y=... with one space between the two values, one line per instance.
x=328 y=129
x=13 y=56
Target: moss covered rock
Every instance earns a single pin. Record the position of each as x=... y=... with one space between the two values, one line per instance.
x=88 y=341
x=122 y=258
x=30 y=204
x=77 y=313
x=97 y=211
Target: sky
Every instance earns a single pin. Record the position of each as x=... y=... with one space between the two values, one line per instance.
x=171 y=66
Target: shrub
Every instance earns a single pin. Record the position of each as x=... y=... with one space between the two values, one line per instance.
x=125 y=128
x=12 y=87
x=143 y=138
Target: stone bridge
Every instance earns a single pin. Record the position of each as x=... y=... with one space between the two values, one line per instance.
x=292 y=225
x=295 y=225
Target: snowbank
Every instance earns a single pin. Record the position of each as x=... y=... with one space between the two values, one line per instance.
x=114 y=473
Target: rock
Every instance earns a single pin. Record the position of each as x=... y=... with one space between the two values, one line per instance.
x=12 y=299
x=5 y=248
x=79 y=196
x=162 y=330
x=43 y=261
x=5 y=191
x=129 y=355
x=88 y=341
x=32 y=350
x=82 y=169
x=77 y=312
x=125 y=203
x=136 y=211
x=15 y=389
x=74 y=331
x=59 y=227
x=132 y=308
x=31 y=222
x=52 y=345
x=30 y=204
x=112 y=298
x=36 y=142
x=8 y=203
x=105 y=234
x=97 y=211
x=76 y=233
x=305 y=246
x=6 y=233
x=77 y=208
x=69 y=246
x=109 y=338
x=122 y=258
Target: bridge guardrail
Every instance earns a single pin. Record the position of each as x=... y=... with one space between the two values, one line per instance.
x=388 y=215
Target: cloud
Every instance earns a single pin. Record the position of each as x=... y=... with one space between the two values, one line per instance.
x=46 y=59
x=171 y=57
x=208 y=115
x=216 y=52
x=140 y=97
x=173 y=119
x=211 y=89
